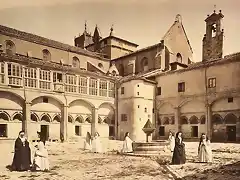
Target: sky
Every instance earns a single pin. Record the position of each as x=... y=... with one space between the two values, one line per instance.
x=140 y=21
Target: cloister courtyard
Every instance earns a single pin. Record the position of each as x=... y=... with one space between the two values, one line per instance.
x=69 y=161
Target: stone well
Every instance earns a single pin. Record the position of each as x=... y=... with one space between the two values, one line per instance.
x=149 y=148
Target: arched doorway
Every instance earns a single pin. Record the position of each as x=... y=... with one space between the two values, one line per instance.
x=230 y=121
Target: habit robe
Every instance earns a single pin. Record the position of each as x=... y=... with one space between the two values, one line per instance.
x=179 y=156
x=22 y=156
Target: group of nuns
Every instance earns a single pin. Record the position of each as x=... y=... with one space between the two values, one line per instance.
x=178 y=148
x=22 y=155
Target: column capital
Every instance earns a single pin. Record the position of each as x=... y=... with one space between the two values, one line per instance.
x=94 y=108
x=28 y=102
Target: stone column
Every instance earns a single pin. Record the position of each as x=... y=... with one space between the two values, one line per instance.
x=177 y=119
x=27 y=119
x=38 y=78
x=64 y=124
x=94 y=123
x=208 y=120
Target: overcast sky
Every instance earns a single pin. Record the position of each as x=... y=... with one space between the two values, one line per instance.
x=141 y=21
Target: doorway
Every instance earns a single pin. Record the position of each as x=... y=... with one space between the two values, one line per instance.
x=231 y=133
x=194 y=131
x=45 y=131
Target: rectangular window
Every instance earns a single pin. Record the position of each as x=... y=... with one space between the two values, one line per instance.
x=103 y=88
x=57 y=77
x=230 y=99
x=161 y=131
x=15 y=74
x=181 y=87
x=44 y=79
x=30 y=77
x=3 y=130
x=93 y=87
x=145 y=110
x=159 y=91
x=122 y=90
x=70 y=85
x=111 y=89
x=77 y=130
x=83 y=85
x=123 y=117
x=211 y=82
x=2 y=75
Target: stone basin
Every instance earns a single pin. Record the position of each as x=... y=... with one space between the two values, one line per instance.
x=149 y=148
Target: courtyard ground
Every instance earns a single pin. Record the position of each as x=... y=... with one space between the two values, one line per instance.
x=69 y=162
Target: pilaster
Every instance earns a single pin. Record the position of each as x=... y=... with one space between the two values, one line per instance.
x=6 y=73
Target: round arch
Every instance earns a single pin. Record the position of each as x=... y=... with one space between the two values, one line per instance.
x=17 y=116
x=45 y=118
x=57 y=118
x=70 y=118
x=230 y=119
x=184 y=102
x=46 y=55
x=20 y=100
x=107 y=104
x=4 y=116
x=34 y=117
x=80 y=100
x=10 y=47
x=75 y=62
x=79 y=119
x=217 y=119
x=179 y=57
x=193 y=120
x=183 y=120
x=35 y=99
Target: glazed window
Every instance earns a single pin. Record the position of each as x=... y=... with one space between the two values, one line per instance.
x=44 y=79
x=15 y=74
x=30 y=77
x=181 y=87
x=103 y=88
x=111 y=89
x=83 y=85
x=211 y=82
x=71 y=85
x=93 y=87
x=2 y=75
x=46 y=55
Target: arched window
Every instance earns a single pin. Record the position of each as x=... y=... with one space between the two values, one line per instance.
x=88 y=120
x=4 y=116
x=183 y=120
x=10 y=47
x=203 y=120
x=18 y=117
x=70 y=119
x=217 y=119
x=193 y=120
x=230 y=119
x=165 y=120
x=45 y=118
x=100 y=65
x=79 y=119
x=179 y=58
x=57 y=118
x=34 y=117
x=76 y=62
x=46 y=55
x=144 y=64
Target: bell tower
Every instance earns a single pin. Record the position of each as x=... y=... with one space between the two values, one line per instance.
x=213 y=39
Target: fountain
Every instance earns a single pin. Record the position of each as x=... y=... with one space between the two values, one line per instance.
x=149 y=148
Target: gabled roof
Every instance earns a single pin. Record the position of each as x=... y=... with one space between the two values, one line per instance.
x=174 y=24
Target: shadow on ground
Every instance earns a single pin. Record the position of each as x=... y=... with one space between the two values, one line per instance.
x=223 y=172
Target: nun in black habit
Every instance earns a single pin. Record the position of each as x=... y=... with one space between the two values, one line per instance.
x=22 y=154
x=179 y=156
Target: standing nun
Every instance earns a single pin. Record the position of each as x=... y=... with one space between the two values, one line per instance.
x=22 y=154
x=127 y=144
x=179 y=156
x=204 y=149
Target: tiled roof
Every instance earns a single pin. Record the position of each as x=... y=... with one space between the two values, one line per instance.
x=135 y=52
x=134 y=77
x=228 y=58
x=44 y=41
